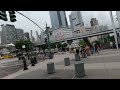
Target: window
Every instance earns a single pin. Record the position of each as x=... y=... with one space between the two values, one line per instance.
x=78 y=24
x=73 y=18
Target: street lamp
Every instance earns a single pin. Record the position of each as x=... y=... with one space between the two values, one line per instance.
x=113 y=27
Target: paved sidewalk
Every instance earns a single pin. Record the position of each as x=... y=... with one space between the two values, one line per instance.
x=105 y=65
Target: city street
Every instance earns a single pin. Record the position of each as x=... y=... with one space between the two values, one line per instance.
x=105 y=65
x=9 y=66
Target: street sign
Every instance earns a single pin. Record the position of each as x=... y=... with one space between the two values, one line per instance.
x=23 y=46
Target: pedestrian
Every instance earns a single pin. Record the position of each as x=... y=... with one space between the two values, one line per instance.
x=77 y=51
x=91 y=49
x=83 y=52
x=96 y=48
x=87 y=49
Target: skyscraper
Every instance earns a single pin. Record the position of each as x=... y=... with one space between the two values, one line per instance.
x=93 y=22
x=76 y=22
x=58 y=19
x=26 y=35
x=8 y=34
x=118 y=17
x=20 y=34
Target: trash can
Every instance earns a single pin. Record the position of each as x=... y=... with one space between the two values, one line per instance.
x=67 y=61
x=50 y=68
x=79 y=69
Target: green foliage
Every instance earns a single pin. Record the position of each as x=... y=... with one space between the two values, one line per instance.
x=64 y=45
x=82 y=42
x=86 y=40
x=97 y=42
x=44 y=46
x=53 y=45
x=27 y=43
x=112 y=38
x=59 y=44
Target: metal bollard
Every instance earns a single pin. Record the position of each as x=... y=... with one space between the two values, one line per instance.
x=24 y=64
x=79 y=69
x=50 y=68
x=32 y=61
x=67 y=61
x=77 y=57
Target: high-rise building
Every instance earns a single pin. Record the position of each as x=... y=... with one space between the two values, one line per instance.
x=118 y=17
x=26 y=36
x=93 y=22
x=20 y=34
x=76 y=22
x=8 y=34
x=58 y=19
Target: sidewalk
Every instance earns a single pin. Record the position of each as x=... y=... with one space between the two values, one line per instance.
x=105 y=65
x=41 y=67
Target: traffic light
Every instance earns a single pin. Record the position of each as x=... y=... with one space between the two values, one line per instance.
x=12 y=16
x=3 y=15
x=46 y=40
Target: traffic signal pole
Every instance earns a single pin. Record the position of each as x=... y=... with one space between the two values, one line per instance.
x=30 y=20
x=48 y=39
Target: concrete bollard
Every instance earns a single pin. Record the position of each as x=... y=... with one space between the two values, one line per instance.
x=79 y=69
x=77 y=57
x=50 y=68
x=67 y=61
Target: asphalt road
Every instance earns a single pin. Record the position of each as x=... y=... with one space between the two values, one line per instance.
x=10 y=66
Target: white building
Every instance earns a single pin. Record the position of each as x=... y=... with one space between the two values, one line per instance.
x=76 y=22
x=61 y=34
x=57 y=34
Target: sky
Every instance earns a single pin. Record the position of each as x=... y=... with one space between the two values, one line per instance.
x=40 y=17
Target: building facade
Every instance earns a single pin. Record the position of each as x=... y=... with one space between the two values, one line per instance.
x=20 y=34
x=8 y=34
x=93 y=22
x=26 y=36
x=58 y=19
x=76 y=22
x=56 y=34
x=60 y=34
x=118 y=17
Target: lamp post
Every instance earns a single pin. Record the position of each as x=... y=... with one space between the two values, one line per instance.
x=113 y=27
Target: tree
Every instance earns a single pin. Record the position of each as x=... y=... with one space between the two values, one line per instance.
x=82 y=42
x=44 y=46
x=87 y=41
x=64 y=45
x=27 y=43
x=59 y=44
x=53 y=45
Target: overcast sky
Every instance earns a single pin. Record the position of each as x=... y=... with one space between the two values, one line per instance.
x=40 y=17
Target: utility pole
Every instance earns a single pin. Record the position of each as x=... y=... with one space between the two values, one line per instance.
x=113 y=27
x=48 y=40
